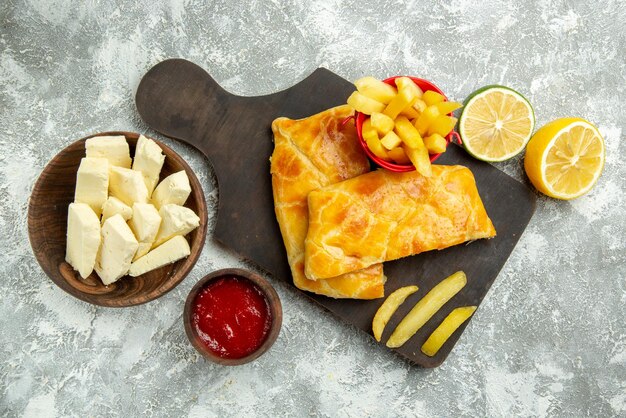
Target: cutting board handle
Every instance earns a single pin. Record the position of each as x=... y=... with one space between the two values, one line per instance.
x=179 y=99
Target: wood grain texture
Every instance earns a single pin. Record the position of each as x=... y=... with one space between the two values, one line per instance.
x=47 y=227
x=276 y=312
x=180 y=100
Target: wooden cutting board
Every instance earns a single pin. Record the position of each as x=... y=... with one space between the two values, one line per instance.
x=180 y=100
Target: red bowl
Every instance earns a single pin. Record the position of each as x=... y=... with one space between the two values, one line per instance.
x=361 y=117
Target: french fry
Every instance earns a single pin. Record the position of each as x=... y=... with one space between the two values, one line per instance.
x=426 y=308
x=442 y=333
x=377 y=148
x=435 y=144
x=391 y=140
x=399 y=156
x=442 y=125
x=373 y=143
x=403 y=99
x=432 y=97
x=419 y=105
x=375 y=89
x=420 y=159
x=408 y=84
x=407 y=132
x=389 y=306
x=368 y=129
x=382 y=123
x=447 y=107
x=426 y=118
x=364 y=104
x=410 y=112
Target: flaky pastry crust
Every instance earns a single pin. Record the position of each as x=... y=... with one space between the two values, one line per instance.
x=309 y=154
x=382 y=216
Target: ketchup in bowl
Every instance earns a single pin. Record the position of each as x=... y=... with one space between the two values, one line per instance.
x=232 y=316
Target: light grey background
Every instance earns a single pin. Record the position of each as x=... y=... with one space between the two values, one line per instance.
x=549 y=339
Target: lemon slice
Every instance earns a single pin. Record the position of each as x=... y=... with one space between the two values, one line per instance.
x=496 y=123
x=565 y=158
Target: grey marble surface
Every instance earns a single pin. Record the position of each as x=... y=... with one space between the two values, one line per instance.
x=549 y=339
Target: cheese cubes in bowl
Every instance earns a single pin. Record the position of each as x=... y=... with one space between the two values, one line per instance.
x=123 y=221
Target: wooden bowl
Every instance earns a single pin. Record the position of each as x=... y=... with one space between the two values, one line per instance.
x=276 y=311
x=47 y=225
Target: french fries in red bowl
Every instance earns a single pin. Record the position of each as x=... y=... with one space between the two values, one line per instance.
x=403 y=123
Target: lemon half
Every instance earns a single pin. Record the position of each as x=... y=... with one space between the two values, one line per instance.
x=564 y=159
x=496 y=123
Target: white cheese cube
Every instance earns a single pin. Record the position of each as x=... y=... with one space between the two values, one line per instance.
x=167 y=253
x=149 y=160
x=127 y=185
x=145 y=225
x=92 y=183
x=83 y=238
x=117 y=250
x=175 y=220
x=114 y=206
x=173 y=189
x=113 y=148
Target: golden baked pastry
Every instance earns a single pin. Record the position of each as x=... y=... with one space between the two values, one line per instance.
x=309 y=154
x=382 y=216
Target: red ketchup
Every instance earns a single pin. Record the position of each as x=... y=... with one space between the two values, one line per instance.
x=231 y=316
